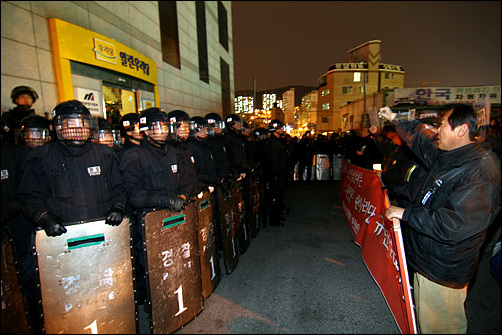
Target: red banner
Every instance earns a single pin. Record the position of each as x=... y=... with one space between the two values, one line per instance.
x=364 y=203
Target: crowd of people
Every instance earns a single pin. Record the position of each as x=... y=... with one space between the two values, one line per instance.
x=76 y=167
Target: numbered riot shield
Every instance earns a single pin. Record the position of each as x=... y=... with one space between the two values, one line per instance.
x=243 y=235
x=172 y=267
x=228 y=231
x=209 y=262
x=256 y=199
x=86 y=280
x=322 y=167
x=15 y=319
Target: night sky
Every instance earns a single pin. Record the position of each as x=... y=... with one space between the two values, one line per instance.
x=288 y=43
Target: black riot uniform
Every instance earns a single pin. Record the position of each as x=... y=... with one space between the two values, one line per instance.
x=181 y=125
x=234 y=144
x=204 y=160
x=276 y=172
x=72 y=179
x=154 y=178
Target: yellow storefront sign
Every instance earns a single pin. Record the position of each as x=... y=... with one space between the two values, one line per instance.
x=74 y=43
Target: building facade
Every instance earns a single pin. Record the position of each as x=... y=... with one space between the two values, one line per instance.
x=129 y=55
x=343 y=83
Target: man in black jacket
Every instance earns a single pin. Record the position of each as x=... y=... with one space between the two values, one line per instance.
x=447 y=223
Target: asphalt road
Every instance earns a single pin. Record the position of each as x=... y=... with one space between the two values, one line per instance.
x=309 y=278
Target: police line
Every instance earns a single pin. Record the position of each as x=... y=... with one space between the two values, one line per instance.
x=364 y=202
x=87 y=280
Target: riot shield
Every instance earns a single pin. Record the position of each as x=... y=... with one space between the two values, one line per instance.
x=209 y=262
x=337 y=166
x=172 y=267
x=228 y=231
x=322 y=167
x=243 y=235
x=256 y=198
x=14 y=306
x=86 y=280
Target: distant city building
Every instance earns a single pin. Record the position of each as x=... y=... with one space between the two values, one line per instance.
x=345 y=82
x=288 y=106
x=244 y=104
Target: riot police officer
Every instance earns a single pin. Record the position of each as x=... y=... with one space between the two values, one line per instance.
x=181 y=125
x=204 y=160
x=23 y=97
x=72 y=179
x=153 y=178
x=34 y=131
x=235 y=147
x=107 y=134
x=276 y=172
x=129 y=132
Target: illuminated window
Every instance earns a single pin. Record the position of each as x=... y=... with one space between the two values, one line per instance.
x=360 y=89
x=325 y=106
x=325 y=92
x=347 y=90
x=357 y=77
x=169 y=38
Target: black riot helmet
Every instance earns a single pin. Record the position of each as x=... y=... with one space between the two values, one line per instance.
x=73 y=123
x=215 y=124
x=181 y=124
x=260 y=134
x=130 y=123
x=155 y=121
x=106 y=134
x=233 y=121
x=199 y=128
x=17 y=91
x=275 y=125
x=34 y=131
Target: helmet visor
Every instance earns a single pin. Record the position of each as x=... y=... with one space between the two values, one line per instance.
x=75 y=127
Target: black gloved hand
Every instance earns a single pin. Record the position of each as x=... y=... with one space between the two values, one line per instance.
x=176 y=203
x=51 y=224
x=114 y=216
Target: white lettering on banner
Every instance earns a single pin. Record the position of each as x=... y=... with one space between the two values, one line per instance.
x=365 y=207
x=355 y=177
x=446 y=95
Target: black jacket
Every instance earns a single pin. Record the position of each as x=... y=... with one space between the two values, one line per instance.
x=457 y=203
x=152 y=175
x=75 y=184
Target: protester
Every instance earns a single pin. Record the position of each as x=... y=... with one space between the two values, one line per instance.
x=447 y=224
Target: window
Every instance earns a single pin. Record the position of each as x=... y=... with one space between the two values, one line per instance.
x=169 y=39
x=357 y=77
x=360 y=89
x=225 y=87
x=347 y=90
x=325 y=92
x=325 y=106
x=325 y=119
x=200 y=11
x=223 y=25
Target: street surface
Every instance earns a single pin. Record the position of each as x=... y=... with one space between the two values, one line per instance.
x=309 y=278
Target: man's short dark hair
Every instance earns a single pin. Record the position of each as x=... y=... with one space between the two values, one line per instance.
x=464 y=113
